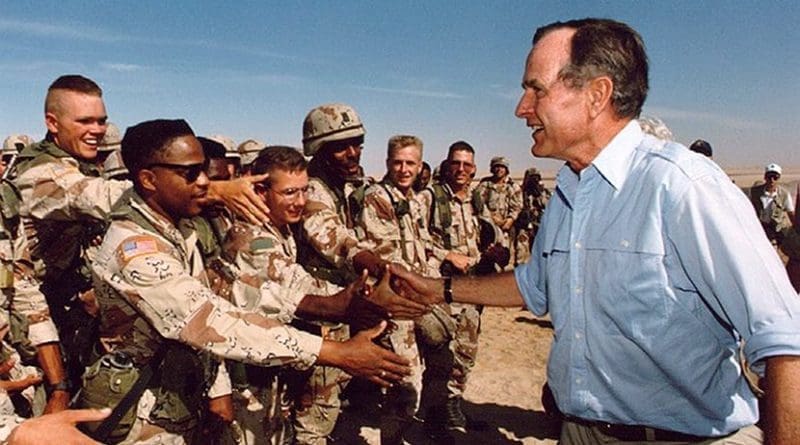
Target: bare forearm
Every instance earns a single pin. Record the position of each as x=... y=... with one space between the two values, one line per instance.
x=489 y=290
x=315 y=307
x=783 y=400
x=49 y=356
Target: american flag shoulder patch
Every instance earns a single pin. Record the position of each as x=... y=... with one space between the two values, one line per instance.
x=133 y=247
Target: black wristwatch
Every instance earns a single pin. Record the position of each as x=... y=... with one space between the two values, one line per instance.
x=448 y=290
x=63 y=385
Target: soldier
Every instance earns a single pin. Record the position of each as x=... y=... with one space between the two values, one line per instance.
x=503 y=198
x=271 y=282
x=12 y=145
x=391 y=225
x=232 y=156
x=248 y=151
x=423 y=178
x=159 y=316
x=534 y=199
x=333 y=135
x=450 y=213
x=108 y=145
x=64 y=202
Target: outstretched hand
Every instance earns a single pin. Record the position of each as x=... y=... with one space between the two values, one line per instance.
x=238 y=195
x=416 y=287
x=396 y=306
x=360 y=357
x=57 y=428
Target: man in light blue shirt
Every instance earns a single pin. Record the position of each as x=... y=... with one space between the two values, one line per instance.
x=648 y=260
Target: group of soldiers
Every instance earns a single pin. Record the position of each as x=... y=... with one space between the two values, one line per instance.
x=214 y=293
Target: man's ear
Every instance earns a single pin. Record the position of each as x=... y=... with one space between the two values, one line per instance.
x=147 y=180
x=599 y=90
x=51 y=121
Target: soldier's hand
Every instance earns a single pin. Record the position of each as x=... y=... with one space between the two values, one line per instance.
x=238 y=195
x=395 y=305
x=412 y=285
x=507 y=224
x=360 y=357
x=21 y=384
x=57 y=428
x=461 y=262
x=222 y=407
x=362 y=312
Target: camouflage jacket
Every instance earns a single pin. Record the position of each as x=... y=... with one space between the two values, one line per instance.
x=326 y=237
x=150 y=283
x=394 y=228
x=463 y=230
x=503 y=200
x=64 y=203
x=270 y=281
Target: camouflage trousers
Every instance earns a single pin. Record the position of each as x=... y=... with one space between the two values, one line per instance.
x=400 y=402
x=464 y=346
x=262 y=414
x=317 y=405
x=522 y=246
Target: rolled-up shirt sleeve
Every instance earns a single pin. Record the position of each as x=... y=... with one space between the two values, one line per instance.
x=727 y=257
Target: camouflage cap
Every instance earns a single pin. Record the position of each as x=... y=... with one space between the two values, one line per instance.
x=330 y=122
x=249 y=150
x=15 y=143
x=230 y=146
x=112 y=140
x=499 y=160
x=114 y=167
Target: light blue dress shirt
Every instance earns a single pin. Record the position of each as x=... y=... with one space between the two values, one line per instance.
x=654 y=268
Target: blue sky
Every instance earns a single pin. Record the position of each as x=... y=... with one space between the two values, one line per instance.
x=728 y=72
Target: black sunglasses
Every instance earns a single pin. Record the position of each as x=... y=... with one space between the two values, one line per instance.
x=189 y=172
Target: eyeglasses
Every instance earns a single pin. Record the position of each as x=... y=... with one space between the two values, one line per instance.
x=773 y=176
x=189 y=172
x=291 y=194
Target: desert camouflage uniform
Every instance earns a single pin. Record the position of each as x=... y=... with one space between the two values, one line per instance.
x=270 y=282
x=326 y=246
x=393 y=228
x=503 y=200
x=64 y=202
x=151 y=286
x=528 y=222
x=463 y=239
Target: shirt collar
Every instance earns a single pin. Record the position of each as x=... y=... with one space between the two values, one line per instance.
x=614 y=160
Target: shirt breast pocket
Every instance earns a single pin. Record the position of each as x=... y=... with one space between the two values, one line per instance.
x=625 y=286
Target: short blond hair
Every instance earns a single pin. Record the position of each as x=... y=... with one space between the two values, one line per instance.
x=399 y=141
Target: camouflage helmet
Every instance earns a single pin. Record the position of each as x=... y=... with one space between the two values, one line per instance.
x=230 y=146
x=249 y=149
x=15 y=143
x=499 y=160
x=112 y=140
x=330 y=122
x=114 y=167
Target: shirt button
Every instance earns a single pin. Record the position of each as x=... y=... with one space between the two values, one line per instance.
x=577 y=244
x=579 y=380
x=578 y=290
x=624 y=243
x=578 y=336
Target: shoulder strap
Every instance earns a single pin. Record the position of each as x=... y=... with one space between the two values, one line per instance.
x=441 y=206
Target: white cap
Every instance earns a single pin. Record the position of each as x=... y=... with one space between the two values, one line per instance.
x=773 y=168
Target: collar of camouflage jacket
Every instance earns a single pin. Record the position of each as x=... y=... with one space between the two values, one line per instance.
x=44 y=149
